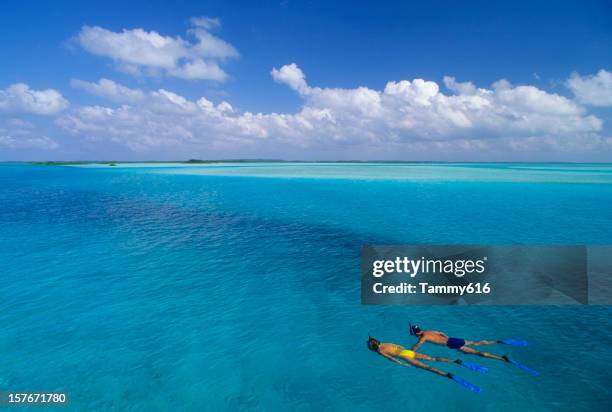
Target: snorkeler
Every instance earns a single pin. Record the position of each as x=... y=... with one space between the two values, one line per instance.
x=395 y=352
x=463 y=345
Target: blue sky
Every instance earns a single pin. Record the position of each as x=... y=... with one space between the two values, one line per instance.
x=306 y=80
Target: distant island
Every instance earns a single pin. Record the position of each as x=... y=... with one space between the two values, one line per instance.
x=190 y=161
x=217 y=161
x=200 y=161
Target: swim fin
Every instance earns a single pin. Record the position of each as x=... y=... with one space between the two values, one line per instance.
x=523 y=367
x=465 y=383
x=514 y=342
x=473 y=366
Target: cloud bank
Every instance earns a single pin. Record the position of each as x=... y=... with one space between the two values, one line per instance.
x=405 y=114
x=404 y=118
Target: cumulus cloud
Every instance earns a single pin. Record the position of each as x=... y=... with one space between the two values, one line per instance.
x=595 y=89
x=19 y=98
x=405 y=115
x=109 y=89
x=292 y=76
x=142 y=52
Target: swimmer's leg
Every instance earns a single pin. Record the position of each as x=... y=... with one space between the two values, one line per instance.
x=421 y=365
x=449 y=375
x=429 y=358
x=468 y=365
x=472 y=351
x=481 y=342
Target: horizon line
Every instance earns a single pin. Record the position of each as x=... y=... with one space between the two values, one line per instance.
x=263 y=160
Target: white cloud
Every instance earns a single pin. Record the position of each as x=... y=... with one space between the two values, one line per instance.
x=466 y=88
x=406 y=115
x=19 y=98
x=292 y=76
x=198 y=69
x=207 y=23
x=16 y=133
x=595 y=89
x=41 y=142
x=208 y=45
x=109 y=89
x=142 y=52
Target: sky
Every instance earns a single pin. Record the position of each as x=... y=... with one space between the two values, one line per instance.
x=308 y=80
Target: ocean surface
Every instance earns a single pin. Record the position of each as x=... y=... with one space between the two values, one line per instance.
x=146 y=287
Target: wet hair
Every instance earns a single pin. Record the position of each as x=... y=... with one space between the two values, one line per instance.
x=373 y=343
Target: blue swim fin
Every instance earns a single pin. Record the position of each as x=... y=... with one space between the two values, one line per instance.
x=514 y=342
x=465 y=383
x=523 y=367
x=473 y=366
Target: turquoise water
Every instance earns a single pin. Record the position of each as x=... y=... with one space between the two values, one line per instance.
x=236 y=286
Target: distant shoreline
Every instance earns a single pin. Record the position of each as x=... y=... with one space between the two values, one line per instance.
x=217 y=161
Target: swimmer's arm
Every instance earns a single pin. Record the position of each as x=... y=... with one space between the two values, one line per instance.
x=417 y=345
x=392 y=358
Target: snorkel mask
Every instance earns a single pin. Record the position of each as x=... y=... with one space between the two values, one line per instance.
x=372 y=343
x=414 y=329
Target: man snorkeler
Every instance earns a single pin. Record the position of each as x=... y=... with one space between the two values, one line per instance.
x=463 y=345
x=395 y=352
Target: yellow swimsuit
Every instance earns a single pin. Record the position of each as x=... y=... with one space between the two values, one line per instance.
x=407 y=354
x=404 y=353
